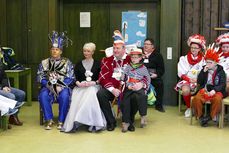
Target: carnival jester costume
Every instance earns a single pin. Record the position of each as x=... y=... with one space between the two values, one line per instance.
x=55 y=74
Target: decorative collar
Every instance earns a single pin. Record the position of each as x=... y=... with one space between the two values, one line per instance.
x=192 y=60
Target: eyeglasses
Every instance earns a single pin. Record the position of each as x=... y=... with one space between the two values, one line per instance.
x=194 y=48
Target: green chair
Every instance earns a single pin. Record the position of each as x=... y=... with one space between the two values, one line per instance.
x=3 y=122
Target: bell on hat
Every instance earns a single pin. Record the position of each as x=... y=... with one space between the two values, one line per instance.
x=197 y=39
x=222 y=39
x=136 y=51
x=118 y=39
x=59 y=40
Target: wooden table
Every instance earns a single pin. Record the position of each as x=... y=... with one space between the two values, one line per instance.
x=16 y=74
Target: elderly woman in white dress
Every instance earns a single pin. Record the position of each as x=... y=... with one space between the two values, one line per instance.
x=84 y=108
x=189 y=67
x=223 y=42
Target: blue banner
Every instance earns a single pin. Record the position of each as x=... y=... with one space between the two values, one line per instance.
x=134 y=25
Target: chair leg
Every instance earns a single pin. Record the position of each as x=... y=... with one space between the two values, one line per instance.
x=41 y=116
x=4 y=123
x=222 y=116
x=179 y=102
x=191 y=116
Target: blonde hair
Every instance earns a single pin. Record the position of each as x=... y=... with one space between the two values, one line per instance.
x=90 y=46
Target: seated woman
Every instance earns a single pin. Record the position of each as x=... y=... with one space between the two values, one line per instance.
x=223 y=42
x=85 y=109
x=189 y=67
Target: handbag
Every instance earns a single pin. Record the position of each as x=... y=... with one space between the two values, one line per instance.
x=151 y=95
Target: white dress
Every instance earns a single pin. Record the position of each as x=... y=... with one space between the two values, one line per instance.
x=85 y=110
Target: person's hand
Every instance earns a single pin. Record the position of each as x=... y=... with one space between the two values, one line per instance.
x=116 y=92
x=81 y=84
x=212 y=93
x=206 y=68
x=130 y=87
x=90 y=83
x=6 y=89
x=153 y=75
x=193 y=80
x=137 y=86
x=58 y=89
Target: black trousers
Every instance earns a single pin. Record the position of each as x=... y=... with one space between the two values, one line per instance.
x=159 y=88
x=132 y=102
x=105 y=97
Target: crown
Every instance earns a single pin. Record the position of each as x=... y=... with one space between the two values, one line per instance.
x=59 y=40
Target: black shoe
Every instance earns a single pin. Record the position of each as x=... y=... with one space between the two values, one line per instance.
x=204 y=121
x=111 y=127
x=159 y=108
x=131 y=128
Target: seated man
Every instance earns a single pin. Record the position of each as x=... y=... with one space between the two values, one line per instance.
x=212 y=84
x=11 y=93
x=110 y=78
x=55 y=74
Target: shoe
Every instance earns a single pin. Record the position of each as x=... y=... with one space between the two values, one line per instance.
x=59 y=125
x=92 y=129
x=131 y=128
x=204 y=121
x=159 y=108
x=143 y=122
x=11 y=111
x=14 y=120
x=19 y=104
x=187 y=113
x=9 y=126
x=125 y=126
x=49 y=125
x=111 y=127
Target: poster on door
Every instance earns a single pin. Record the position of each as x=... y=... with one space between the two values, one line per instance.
x=134 y=27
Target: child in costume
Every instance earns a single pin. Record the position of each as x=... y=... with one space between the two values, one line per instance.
x=211 y=83
x=137 y=81
x=189 y=67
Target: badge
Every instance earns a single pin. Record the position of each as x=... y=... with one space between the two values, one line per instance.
x=88 y=75
x=146 y=60
x=117 y=74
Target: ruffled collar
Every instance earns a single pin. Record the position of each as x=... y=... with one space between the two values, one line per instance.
x=192 y=60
